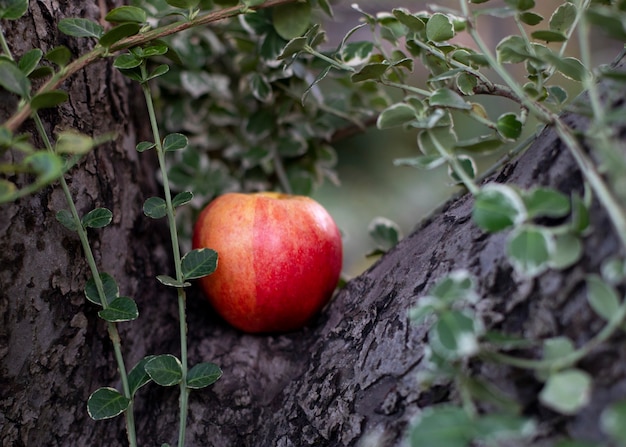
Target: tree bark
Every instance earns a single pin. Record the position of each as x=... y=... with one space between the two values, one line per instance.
x=54 y=350
x=347 y=379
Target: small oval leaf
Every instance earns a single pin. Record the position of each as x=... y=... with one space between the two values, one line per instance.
x=120 y=309
x=97 y=218
x=138 y=377
x=77 y=27
x=110 y=288
x=124 y=14
x=203 y=375
x=174 y=142
x=199 y=263
x=155 y=207
x=106 y=403
x=165 y=370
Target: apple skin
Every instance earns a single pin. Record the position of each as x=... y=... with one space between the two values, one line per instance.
x=280 y=258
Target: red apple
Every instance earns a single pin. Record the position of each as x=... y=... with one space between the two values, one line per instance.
x=280 y=258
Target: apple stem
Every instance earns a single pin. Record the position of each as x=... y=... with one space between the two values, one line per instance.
x=171 y=218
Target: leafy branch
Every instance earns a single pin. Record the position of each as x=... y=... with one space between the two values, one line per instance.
x=142 y=38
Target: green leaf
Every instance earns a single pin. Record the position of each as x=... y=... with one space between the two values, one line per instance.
x=138 y=377
x=529 y=249
x=155 y=207
x=457 y=285
x=167 y=280
x=199 y=263
x=48 y=166
x=602 y=297
x=385 y=232
x=521 y=5
x=439 y=28
x=570 y=67
x=548 y=36
x=158 y=71
x=432 y=140
x=613 y=421
x=120 y=309
x=144 y=146
x=454 y=335
x=110 y=288
x=97 y=218
x=531 y=18
x=443 y=425
x=557 y=94
x=567 y=391
x=557 y=348
x=49 y=99
x=580 y=215
x=370 y=71
x=509 y=126
x=411 y=21
x=357 y=52
x=466 y=83
x=72 y=142
x=60 y=55
x=29 y=61
x=13 y=9
x=563 y=18
x=182 y=198
x=568 y=249
x=174 y=142
x=125 y=14
x=497 y=428
x=395 y=115
x=498 y=207
x=445 y=97
x=546 y=202
x=13 y=79
x=467 y=164
x=77 y=27
x=512 y=50
x=106 y=403
x=127 y=61
x=66 y=218
x=165 y=370
x=203 y=375
x=183 y=4
x=118 y=33
x=291 y=20
x=294 y=46
x=482 y=144
x=613 y=270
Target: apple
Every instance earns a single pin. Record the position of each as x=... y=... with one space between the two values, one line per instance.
x=279 y=259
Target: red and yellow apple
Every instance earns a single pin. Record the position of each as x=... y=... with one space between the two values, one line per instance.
x=279 y=259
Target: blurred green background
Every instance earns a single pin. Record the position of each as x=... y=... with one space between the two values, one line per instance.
x=371 y=185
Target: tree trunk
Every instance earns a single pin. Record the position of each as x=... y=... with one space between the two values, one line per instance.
x=54 y=350
x=347 y=378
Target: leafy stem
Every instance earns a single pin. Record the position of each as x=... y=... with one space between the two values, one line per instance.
x=111 y=327
x=139 y=39
x=570 y=359
x=171 y=218
x=456 y=166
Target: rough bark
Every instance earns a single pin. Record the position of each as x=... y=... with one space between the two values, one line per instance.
x=352 y=374
x=54 y=350
x=346 y=378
